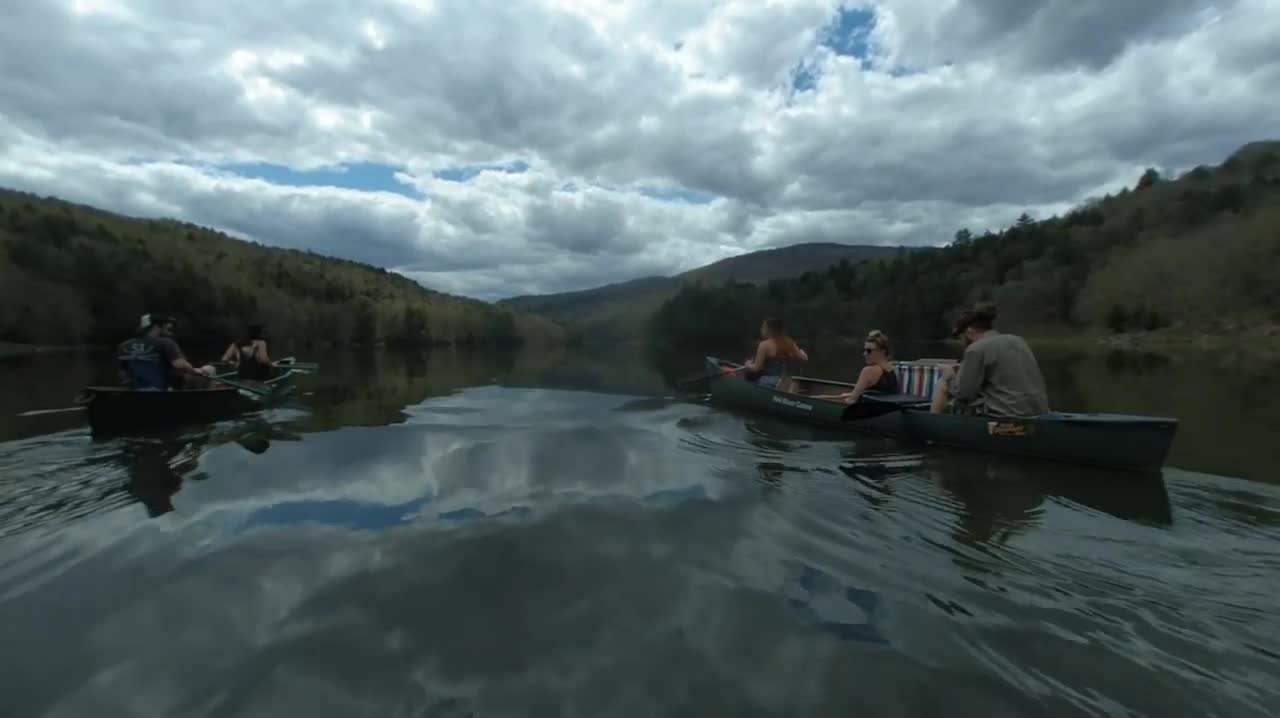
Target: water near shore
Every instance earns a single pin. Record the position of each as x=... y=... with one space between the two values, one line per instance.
x=547 y=534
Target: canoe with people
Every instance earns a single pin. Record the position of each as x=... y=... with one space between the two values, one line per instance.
x=994 y=399
x=160 y=386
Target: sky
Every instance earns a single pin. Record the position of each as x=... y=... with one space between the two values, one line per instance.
x=493 y=148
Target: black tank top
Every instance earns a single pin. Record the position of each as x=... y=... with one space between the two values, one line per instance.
x=887 y=383
x=250 y=368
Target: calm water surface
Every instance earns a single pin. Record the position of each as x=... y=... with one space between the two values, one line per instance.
x=565 y=535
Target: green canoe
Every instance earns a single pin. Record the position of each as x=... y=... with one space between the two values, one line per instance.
x=113 y=409
x=1118 y=441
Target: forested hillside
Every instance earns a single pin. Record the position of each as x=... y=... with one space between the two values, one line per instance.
x=1199 y=254
x=620 y=312
x=71 y=274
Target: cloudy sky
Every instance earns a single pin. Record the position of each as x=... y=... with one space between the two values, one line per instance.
x=500 y=147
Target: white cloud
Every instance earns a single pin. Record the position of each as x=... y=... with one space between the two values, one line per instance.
x=965 y=112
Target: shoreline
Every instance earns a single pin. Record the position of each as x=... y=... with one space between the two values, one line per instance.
x=13 y=350
x=1259 y=341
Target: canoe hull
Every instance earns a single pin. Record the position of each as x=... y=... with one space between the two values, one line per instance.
x=113 y=409
x=1138 y=443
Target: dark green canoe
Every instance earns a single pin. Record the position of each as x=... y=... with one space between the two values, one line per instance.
x=1112 y=440
x=113 y=409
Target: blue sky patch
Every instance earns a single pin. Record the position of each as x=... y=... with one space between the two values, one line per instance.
x=466 y=173
x=677 y=194
x=849 y=32
x=663 y=193
x=804 y=77
x=360 y=176
x=847 y=35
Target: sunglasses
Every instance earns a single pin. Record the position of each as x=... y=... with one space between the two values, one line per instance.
x=868 y=350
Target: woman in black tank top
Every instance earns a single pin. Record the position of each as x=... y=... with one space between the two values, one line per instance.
x=249 y=354
x=878 y=375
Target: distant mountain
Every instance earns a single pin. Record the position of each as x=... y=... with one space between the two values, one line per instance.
x=786 y=262
x=617 y=312
x=583 y=304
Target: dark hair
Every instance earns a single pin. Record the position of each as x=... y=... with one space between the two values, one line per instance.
x=880 y=339
x=775 y=326
x=981 y=317
x=254 y=332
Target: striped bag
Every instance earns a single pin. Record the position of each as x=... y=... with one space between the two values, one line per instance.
x=918 y=377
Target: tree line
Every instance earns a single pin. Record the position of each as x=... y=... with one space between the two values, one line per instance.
x=72 y=275
x=1199 y=253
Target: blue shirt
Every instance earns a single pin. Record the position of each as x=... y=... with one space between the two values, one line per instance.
x=148 y=361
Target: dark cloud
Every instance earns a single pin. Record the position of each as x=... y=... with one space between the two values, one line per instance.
x=120 y=88
x=1052 y=34
x=589 y=225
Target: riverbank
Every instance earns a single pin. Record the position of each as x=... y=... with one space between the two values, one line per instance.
x=1256 y=342
x=1252 y=344
x=9 y=350
x=1253 y=341
x=13 y=350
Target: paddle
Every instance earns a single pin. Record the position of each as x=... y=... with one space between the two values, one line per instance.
x=260 y=392
x=298 y=366
x=707 y=377
x=869 y=406
x=42 y=412
x=257 y=445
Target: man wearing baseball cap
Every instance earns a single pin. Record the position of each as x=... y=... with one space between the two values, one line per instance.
x=152 y=360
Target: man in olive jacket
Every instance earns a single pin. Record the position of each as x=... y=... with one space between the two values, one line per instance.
x=998 y=376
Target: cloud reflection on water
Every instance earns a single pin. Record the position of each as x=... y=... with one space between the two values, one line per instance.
x=544 y=552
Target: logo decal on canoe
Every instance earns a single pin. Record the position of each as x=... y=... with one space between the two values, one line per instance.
x=792 y=403
x=1009 y=428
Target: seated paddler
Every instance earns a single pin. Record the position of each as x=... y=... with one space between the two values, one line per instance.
x=777 y=357
x=152 y=360
x=249 y=355
x=878 y=373
x=998 y=376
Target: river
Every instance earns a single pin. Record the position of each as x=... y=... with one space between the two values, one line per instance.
x=562 y=533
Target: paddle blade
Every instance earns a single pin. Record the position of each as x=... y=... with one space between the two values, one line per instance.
x=42 y=412
x=724 y=370
x=255 y=445
x=257 y=392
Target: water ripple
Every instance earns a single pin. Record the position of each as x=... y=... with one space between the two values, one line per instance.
x=594 y=555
